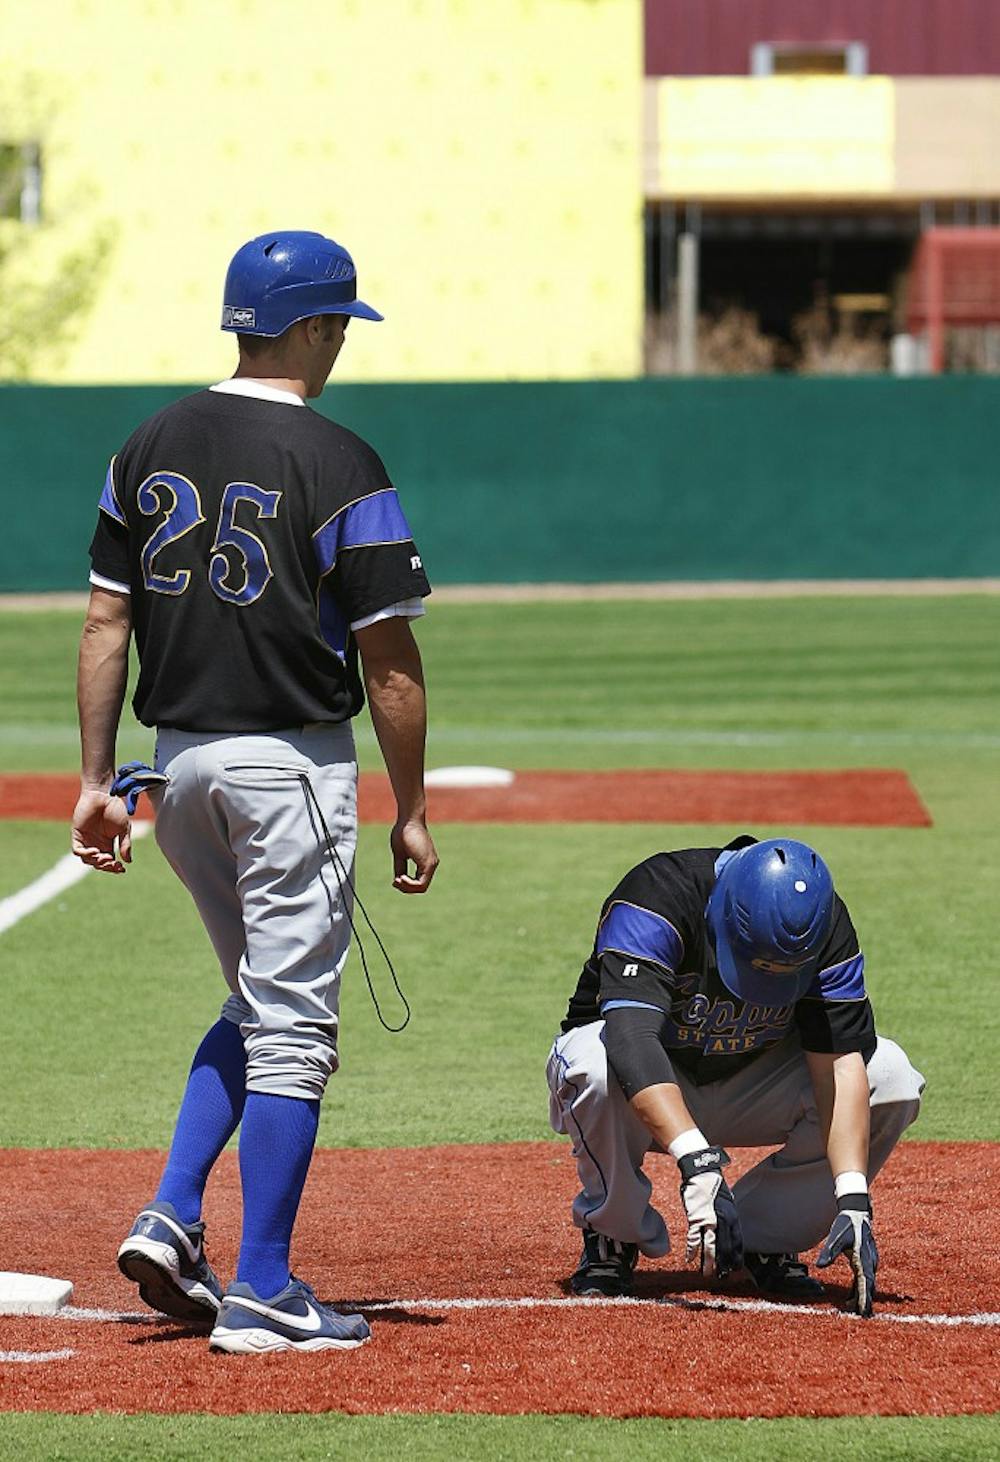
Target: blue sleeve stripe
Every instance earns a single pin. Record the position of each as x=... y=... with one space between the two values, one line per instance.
x=844 y=981
x=365 y=523
x=630 y=930
x=377 y=519
x=629 y=1005
x=109 y=500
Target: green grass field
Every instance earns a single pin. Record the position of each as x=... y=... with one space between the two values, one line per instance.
x=489 y=958
x=32 y=1438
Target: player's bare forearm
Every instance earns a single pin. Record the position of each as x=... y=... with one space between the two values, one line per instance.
x=102 y=675
x=394 y=683
x=664 y=1111
x=100 y=821
x=840 y=1083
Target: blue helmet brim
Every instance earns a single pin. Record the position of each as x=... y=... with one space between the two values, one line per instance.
x=760 y=987
x=360 y=310
x=356 y=308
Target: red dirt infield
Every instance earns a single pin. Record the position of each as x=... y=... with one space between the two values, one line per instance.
x=393 y=1228
x=865 y=798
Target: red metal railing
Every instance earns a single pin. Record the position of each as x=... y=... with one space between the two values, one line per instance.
x=955 y=280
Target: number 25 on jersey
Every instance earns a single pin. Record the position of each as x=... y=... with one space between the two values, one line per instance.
x=239 y=569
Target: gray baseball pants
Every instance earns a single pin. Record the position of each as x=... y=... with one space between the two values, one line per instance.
x=237 y=826
x=786 y=1203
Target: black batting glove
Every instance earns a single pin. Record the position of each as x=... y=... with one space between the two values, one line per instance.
x=851 y=1234
x=714 y=1236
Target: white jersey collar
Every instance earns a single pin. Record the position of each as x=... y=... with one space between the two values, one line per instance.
x=243 y=386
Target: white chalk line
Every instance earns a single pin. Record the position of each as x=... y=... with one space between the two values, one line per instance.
x=26 y=1357
x=529 y=1302
x=677 y=1302
x=60 y=877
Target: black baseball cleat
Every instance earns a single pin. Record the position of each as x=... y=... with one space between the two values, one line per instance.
x=783 y=1275
x=606 y=1266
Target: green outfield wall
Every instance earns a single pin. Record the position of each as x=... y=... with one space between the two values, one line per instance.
x=585 y=481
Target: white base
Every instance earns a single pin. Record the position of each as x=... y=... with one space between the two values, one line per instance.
x=33 y=1294
x=469 y=777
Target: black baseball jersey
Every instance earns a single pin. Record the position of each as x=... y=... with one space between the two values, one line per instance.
x=252 y=534
x=653 y=947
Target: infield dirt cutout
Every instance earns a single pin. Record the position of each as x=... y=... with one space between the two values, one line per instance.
x=856 y=798
x=459 y=1256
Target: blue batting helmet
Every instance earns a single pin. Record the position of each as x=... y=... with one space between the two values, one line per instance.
x=279 y=278
x=769 y=914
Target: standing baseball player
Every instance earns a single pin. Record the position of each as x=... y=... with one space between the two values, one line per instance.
x=256 y=549
x=724 y=1002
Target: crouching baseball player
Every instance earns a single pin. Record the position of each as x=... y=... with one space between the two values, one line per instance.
x=724 y=1003
x=257 y=549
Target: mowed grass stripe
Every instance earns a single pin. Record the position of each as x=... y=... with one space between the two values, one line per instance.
x=831 y=666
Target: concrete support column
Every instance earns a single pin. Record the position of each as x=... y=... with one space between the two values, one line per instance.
x=687 y=304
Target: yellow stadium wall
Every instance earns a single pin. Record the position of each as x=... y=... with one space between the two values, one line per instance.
x=480 y=158
x=732 y=138
x=740 y=137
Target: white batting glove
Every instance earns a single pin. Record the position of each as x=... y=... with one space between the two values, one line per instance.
x=851 y=1234
x=714 y=1237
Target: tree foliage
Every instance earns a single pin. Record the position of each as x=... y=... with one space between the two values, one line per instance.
x=50 y=269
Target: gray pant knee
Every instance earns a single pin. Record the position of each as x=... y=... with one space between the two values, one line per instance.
x=286 y=1063
x=894 y=1082
x=896 y=1089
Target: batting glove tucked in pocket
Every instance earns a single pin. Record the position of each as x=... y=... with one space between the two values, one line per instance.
x=851 y=1234
x=714 y=1236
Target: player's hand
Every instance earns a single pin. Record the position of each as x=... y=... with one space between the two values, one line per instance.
x=714 y=1236
x=851 y=1234
x=412 y=843
x=98 y=821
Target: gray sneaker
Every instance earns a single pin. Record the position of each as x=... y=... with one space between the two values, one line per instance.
x=166 y=1259
x=293 y=1319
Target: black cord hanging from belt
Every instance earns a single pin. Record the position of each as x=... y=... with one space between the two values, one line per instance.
x=343 y=875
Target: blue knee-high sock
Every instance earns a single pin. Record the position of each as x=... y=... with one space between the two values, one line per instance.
x=209 y=1115
x=276 y=1145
